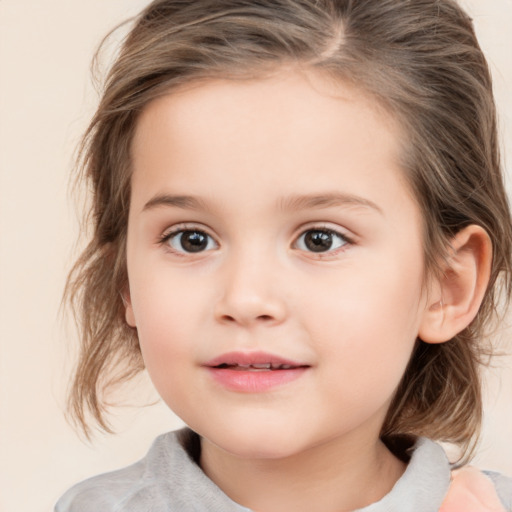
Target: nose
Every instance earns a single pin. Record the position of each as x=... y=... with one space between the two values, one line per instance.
x=250 y=293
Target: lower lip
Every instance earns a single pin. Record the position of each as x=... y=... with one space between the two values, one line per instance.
x=255 y=381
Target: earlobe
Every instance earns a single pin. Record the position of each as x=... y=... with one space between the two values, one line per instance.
x=456 y=296
x=128 y=309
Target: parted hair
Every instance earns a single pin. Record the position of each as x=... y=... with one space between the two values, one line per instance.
x=419 y=59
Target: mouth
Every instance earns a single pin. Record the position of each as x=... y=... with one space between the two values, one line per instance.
x=260 y=367
x=254 y=372
x=253 y=361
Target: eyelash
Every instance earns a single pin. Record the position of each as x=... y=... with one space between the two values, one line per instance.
x=178 y=232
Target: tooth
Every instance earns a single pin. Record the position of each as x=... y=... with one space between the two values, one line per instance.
x=244 y=366
x=285 y=367
x=262 y=366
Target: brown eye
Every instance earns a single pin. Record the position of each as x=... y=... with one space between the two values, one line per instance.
x=191 y=241
x=320 y=240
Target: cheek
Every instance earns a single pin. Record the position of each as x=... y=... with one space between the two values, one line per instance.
x=167 y=315
x=164 y=340
x=366 y=327
x=371 y=298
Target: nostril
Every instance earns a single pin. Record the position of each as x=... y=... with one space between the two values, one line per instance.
x=265 y=318
x=232 y=319
x=231 y=310
x=228 y=318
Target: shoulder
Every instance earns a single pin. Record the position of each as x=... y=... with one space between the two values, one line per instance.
x=503 y=486
x=103 y=492
x=144 y=485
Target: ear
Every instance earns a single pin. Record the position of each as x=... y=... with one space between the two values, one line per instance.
x=128 y=309
x=456 y=296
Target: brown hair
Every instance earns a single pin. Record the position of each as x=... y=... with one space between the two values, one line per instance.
x=419 y=58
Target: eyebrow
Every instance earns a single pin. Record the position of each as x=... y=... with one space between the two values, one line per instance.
x=185 y=202
x=298 y=202
x=328 y=200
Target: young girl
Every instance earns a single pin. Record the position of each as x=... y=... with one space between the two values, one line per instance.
x=301 y=232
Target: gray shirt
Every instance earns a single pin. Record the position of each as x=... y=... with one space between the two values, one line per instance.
x=168 y=480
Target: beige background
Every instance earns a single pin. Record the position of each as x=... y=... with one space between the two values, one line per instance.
x=45 y=101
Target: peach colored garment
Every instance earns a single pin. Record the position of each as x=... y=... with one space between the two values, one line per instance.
x=471 y=491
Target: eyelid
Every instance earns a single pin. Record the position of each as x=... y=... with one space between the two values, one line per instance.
x=184 y=226
x=326 y=226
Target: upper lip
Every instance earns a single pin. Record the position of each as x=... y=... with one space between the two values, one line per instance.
x=252 y=358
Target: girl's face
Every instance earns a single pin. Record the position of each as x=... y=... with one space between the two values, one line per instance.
x=275 y=262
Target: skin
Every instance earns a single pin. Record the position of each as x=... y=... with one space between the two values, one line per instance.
x=244 y=152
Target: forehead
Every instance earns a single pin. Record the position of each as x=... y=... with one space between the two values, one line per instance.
x=282 y=132
x=305 y=98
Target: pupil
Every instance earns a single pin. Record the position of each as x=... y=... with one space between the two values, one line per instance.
x=318 y=241
x=193 y=241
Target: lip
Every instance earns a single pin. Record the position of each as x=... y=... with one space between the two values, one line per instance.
x=272 y=371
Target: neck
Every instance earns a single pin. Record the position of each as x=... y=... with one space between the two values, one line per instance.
x=339 y=475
